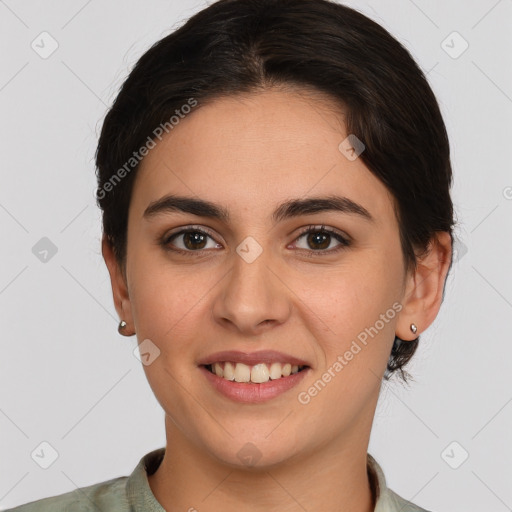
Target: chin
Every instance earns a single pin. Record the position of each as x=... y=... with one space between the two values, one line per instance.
x=256 y=454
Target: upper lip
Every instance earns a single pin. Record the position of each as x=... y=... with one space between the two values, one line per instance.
x=252 y=358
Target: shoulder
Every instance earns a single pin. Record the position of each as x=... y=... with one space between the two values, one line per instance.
x=392 y=502
x=386 y=499
x=121 y=494
x=109 y=495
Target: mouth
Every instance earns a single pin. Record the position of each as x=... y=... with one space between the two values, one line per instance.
x=258 y=373
x=253 y=377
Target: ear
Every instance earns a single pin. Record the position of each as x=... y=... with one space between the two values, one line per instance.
x=119 y=287
x=424 y=288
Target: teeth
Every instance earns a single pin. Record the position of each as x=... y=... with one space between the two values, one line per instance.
x=217 y=368
x=229 y=371
x=258 y=373
x=275 y=371
x=242 y=373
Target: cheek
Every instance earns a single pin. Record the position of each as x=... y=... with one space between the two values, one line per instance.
x=168 y=302
x=354 y=321
x=347 y=304
x=167 y=310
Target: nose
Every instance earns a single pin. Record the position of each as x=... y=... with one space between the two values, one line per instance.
x=252 y=297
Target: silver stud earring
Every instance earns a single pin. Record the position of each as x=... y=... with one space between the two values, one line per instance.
x=122 y=325
x=413 y=328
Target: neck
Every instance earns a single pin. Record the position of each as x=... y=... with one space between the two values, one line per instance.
x=334 y=478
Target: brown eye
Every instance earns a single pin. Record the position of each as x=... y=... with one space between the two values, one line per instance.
x=319 y=239
x=194 y=240
x=189 y=240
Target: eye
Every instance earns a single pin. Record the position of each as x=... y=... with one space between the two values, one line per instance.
x=195 y=240
x=320 y=238
x=189 y=240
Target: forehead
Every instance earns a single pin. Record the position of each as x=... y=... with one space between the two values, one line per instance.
x=250 y=152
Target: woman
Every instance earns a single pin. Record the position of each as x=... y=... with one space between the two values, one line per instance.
x=275 y=183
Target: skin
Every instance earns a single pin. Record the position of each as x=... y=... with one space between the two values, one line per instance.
x=249 y=154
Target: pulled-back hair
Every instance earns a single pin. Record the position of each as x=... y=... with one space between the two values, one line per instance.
x=243 y=46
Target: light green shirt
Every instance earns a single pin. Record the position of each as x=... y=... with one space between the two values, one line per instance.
x=133 y=493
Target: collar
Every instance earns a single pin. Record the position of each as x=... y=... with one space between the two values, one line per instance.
x=142 y=498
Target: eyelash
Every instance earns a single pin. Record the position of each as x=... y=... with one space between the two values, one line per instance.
x=344 y=242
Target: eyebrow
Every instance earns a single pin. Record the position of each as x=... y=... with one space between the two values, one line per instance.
x=286 y=210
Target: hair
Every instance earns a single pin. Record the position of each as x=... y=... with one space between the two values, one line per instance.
x=245 y=46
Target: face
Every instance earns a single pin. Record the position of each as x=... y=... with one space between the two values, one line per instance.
x=256 y=282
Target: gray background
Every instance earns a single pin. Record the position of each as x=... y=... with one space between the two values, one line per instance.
x=69 y=379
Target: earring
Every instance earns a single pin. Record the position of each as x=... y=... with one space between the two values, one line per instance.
x=122 y=325
x=413 y=328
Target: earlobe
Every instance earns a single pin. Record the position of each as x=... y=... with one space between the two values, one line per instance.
x=119 y=288
x=424 y=291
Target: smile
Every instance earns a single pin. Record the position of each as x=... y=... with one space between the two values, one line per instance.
x=257 y=374
x=253 y=392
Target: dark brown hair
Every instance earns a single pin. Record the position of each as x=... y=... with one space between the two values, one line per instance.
x=243 y=46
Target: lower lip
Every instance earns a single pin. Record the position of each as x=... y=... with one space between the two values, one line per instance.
x=248 y=392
